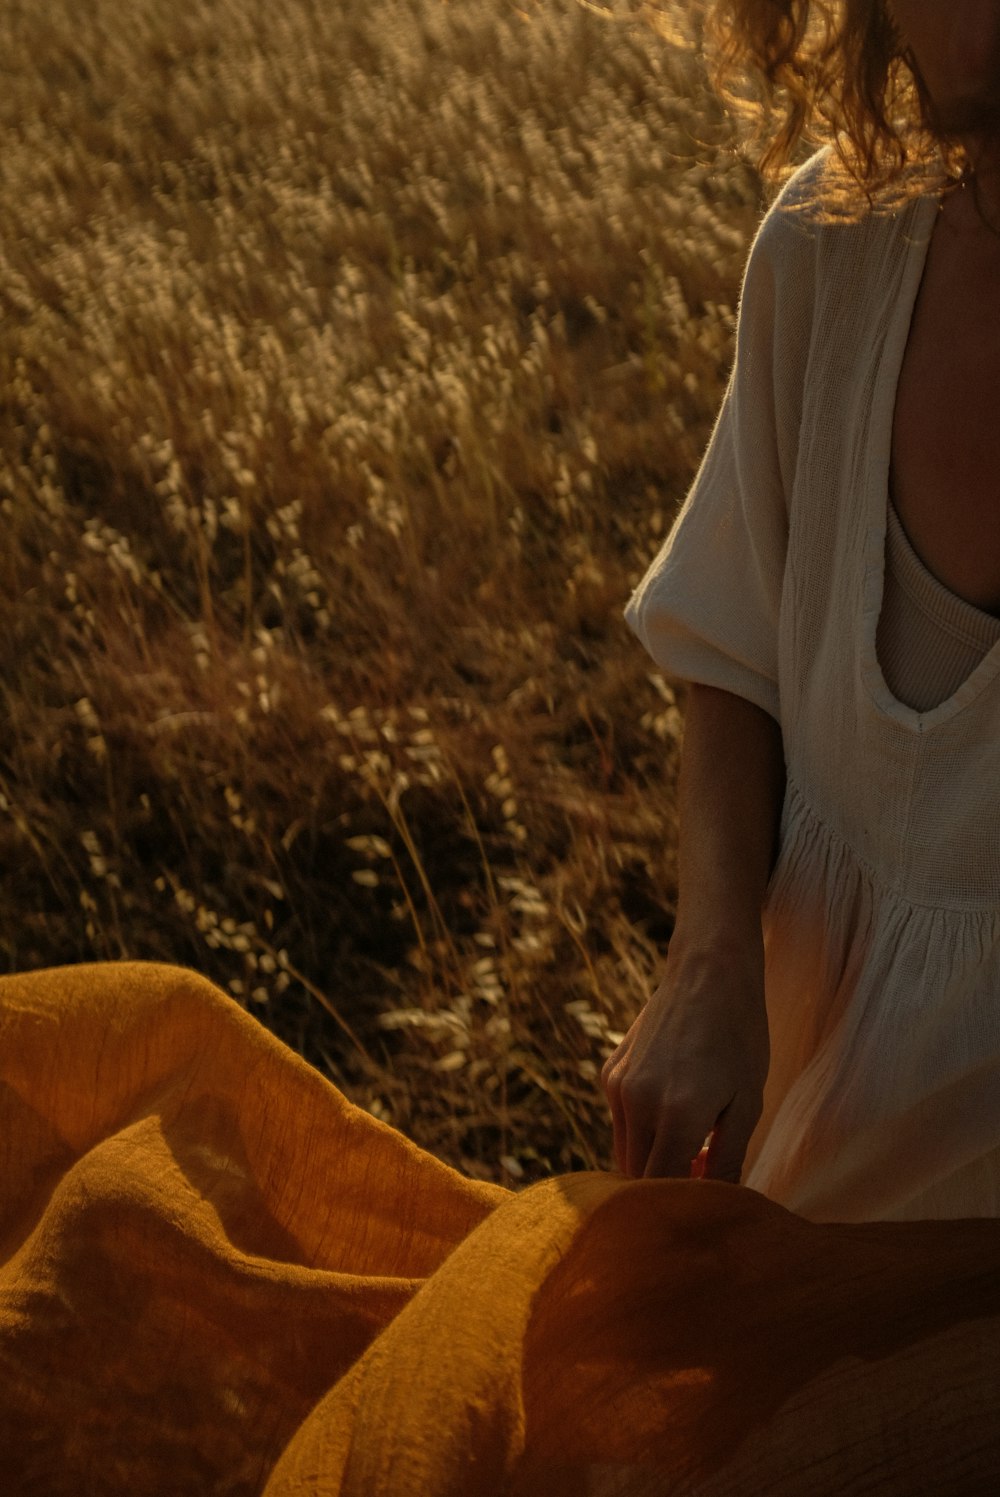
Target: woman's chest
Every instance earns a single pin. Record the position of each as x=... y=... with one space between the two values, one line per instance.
x=945 y=469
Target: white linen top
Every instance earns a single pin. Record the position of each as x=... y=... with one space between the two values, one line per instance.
x=882 y=916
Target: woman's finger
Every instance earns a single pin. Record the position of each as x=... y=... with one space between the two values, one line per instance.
x=730 y=1137
x=620 y=1125
x=677 y=1142
x=638 y=1141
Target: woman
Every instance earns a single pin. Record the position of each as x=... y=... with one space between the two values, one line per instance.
x=829 y=1017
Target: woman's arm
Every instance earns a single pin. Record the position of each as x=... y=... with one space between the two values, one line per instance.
x=696 y=1058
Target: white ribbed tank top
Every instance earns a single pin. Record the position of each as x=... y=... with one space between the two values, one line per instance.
x=929 y=640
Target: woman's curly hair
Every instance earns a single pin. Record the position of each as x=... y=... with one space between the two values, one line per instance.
x=831 y=72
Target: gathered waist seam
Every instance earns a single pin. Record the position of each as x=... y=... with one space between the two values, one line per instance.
x=799 y=810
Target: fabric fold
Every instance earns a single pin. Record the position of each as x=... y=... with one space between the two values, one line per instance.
x=219 y=1276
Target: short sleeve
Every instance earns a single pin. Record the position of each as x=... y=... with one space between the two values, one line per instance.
x=708 y=608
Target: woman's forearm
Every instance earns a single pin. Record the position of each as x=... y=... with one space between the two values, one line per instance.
x=732 y=783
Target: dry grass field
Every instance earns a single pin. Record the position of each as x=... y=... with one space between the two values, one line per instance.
x=354 y=360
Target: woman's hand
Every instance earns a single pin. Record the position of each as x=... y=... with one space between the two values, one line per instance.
x=693 y=1063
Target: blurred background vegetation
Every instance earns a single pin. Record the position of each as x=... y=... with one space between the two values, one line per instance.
x=355 y=361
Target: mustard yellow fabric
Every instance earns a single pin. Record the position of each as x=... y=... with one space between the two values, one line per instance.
x=221 y=1277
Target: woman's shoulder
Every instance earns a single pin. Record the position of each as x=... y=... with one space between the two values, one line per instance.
x=784 y=247
x=815 y=232
x=806 y=188
x=821 y=201
x=800 y=212
x=779 y=279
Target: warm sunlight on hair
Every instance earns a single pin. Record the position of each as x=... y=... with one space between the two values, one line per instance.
x=804 y=73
